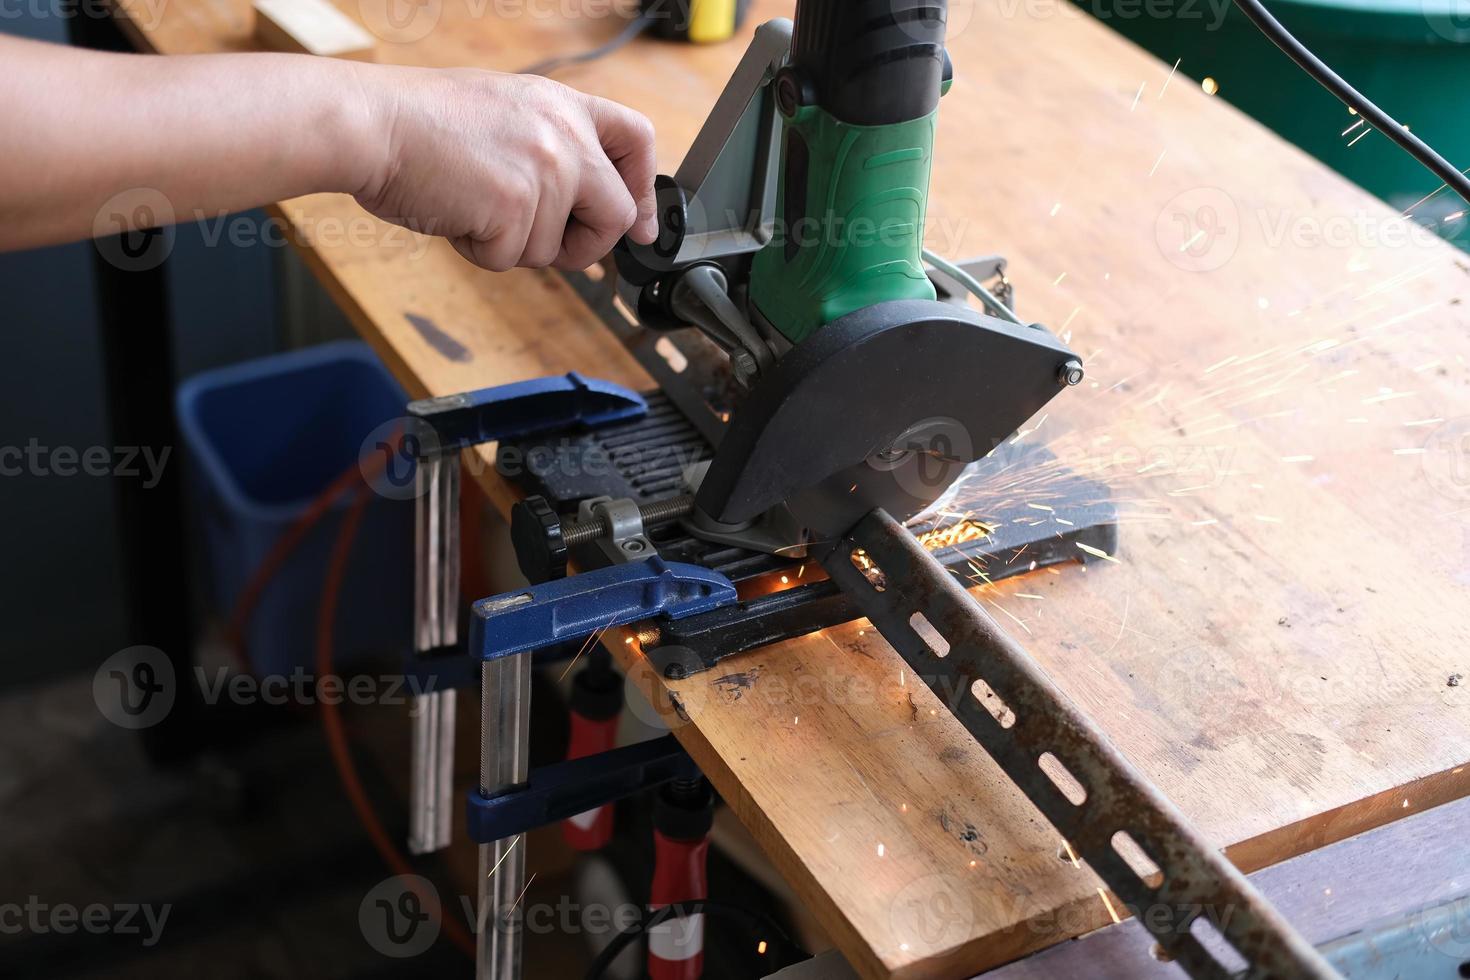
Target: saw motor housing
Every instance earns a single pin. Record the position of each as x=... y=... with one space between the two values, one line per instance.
x=792 y=237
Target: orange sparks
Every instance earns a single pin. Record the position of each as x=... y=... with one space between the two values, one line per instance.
x=939 y=538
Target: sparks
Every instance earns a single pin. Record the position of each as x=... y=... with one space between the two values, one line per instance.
x=510 y=911
x=504 y=856
x=1169 y=79
x=939 y=538
x=1109 y=904
x=1096 y=552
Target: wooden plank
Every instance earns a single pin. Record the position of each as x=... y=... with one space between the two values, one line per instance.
x=311 y=27
x=1268 y=349
x=1398 y=871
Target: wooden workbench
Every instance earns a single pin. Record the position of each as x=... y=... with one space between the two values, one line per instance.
x=1276 y=395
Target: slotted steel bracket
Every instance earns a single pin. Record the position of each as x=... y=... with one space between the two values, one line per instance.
x=1103 y=806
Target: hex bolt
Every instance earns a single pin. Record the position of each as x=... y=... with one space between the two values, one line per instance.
x=577 y=533
x=1070 y=373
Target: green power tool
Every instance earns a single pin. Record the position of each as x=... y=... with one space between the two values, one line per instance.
x=792 y=238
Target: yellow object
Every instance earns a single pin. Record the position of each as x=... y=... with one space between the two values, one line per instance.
x=711 y=20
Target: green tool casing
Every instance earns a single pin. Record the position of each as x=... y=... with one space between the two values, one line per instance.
x=859 y=101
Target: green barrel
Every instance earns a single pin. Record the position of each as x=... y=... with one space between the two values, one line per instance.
x=858 y=101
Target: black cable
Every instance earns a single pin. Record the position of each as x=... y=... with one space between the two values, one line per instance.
x=751 y=921
x=1353 y=99
x=635 y=27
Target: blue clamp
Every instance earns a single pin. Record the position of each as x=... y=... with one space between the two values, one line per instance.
x=576 y=607
x=565 y=789
x=514 y=411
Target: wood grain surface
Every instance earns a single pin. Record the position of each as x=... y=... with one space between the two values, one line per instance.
x=1276 y=394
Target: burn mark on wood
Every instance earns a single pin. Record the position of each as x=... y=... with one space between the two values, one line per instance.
x=735 y=685
x=962 y=831
x=438 y=339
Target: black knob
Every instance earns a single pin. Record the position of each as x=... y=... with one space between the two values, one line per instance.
x=535 y=532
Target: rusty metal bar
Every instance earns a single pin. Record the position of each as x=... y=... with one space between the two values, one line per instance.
x=1198 y=906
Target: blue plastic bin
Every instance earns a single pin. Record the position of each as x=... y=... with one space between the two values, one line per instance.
x=263 y=440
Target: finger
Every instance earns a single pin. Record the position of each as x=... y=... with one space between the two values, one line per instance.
x=498 y=253
x=627 y=139
x=603 y=212
x=548 y=228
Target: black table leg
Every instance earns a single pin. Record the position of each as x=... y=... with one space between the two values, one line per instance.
x=139 y=375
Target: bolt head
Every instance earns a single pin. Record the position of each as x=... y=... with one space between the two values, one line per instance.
x=1070 y=374
x=633 y=546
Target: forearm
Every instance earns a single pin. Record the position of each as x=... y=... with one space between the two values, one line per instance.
x=210 y=134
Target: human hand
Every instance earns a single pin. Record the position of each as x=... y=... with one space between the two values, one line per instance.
x=515 y=170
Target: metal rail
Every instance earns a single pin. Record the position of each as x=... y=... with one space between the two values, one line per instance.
x=1199 y=907
x=436 y=626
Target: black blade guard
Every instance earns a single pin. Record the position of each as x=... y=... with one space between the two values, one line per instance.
x=881 y=408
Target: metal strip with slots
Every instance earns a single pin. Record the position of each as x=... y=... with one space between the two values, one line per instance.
x=1095 y=798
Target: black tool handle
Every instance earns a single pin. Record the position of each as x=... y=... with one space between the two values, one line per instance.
x=871 y=62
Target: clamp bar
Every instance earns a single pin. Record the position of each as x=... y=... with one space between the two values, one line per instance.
x=565 y=789
x=514 y=411
x=579 y=606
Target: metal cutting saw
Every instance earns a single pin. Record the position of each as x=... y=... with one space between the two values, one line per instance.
x=825 y=385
